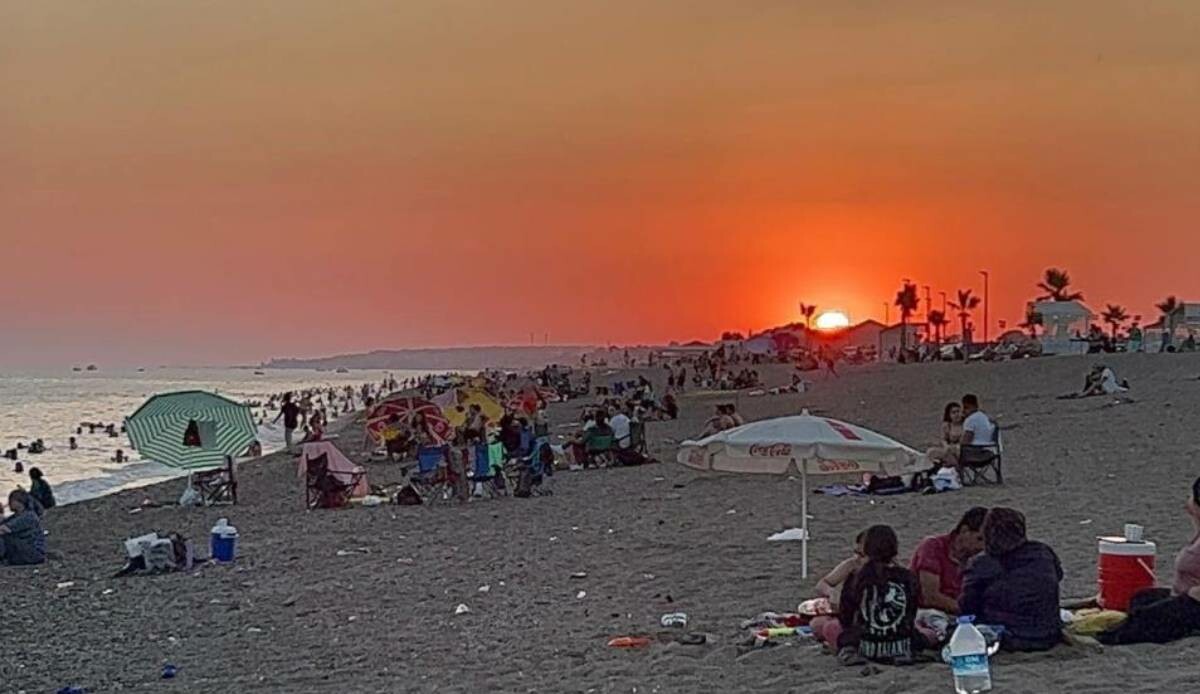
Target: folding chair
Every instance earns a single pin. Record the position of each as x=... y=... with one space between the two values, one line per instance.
x=325 y=489
x=217 y=486
x=430 y=478
x=637 y=437
x=982 y=463
x=599 y=449
x=486 y=477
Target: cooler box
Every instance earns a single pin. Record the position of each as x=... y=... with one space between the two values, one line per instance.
x=1124 y=569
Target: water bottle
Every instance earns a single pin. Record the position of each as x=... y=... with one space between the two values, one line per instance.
x=969 y=658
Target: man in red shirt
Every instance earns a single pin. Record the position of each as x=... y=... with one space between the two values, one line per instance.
x=938 y=561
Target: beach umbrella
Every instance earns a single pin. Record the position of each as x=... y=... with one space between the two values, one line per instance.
x=191 y=429
x=456 y=412
x=392 y=412
x=803 y=445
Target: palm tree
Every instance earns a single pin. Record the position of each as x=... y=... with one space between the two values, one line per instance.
x=1168 y=306
x=807 y=310
x=1055 y=286
x=1032 y=320
x=966 y=303
x=938 y=320
x=1115 y=316
x=907 y=301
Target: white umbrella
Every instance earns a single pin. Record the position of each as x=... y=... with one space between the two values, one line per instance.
x=804 y=444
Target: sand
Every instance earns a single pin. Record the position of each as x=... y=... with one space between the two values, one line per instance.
x=293 y=616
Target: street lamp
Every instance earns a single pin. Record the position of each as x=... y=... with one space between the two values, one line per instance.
x=943 y=302
x=985 y=305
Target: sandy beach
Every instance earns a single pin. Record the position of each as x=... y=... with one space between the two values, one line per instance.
x=291 y=615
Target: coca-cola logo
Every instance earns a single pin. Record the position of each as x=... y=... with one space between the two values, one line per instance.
x=837 y=466
x=771 y=450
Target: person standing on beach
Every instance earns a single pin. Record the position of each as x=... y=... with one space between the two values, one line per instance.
x=291 y=419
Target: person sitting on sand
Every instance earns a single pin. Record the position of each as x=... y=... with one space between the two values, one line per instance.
x=1162 y=615
x=879 y=606
x=22 y=541
x=827 y=628
x=1014 y=584
x=938 y=561
x=720 y=421
x=39 y=489
x=946 y=454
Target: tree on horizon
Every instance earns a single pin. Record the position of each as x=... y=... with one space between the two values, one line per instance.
x=1055 y=284
x=939 y=322
x=1032 y=320
x=1115 y=316
x=965 y=305
x=907 y=301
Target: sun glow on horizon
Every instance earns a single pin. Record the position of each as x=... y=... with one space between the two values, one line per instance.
x=832 y=320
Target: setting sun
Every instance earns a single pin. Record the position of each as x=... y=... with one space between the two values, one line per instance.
x=832 y=320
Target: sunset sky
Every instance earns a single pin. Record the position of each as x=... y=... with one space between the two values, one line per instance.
x=215 y=182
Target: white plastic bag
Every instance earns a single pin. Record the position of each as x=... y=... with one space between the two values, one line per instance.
x=190 y=496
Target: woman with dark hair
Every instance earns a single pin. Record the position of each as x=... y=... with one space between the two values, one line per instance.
x=1161 y=615
x=39 y=488
x=22 y=541
x=1014 y=584
x=879 y=605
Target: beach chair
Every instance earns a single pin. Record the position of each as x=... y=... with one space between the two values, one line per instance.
x=430 y=478
x=599 y=450
x=637 y=437
x=217 y=486
x=982 y=463
x=486 y=478
x=324 y=489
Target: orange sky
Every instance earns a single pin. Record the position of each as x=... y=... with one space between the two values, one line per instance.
x=229 y=181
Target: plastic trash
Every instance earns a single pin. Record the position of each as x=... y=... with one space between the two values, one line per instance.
x=169 y=671
x=72 y=690
x=789 y=535
x=581 y=595
x=674 y=619
x=629 y=642
x=969 y=658
x=461 y=609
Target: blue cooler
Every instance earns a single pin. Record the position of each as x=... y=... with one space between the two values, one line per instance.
x=224 y=541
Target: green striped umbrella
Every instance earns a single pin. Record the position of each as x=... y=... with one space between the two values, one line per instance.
x=221 y=427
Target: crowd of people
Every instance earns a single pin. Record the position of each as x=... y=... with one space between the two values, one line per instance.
x=886 y=611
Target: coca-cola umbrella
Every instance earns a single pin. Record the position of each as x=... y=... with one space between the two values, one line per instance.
x=392 y=413
x=804 y=445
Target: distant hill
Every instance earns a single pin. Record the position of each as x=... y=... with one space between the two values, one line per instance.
x=450 y=358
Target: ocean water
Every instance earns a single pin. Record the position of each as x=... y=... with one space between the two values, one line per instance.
x=51 y=404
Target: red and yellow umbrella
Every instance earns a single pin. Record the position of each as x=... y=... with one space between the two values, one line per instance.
x=391 y=414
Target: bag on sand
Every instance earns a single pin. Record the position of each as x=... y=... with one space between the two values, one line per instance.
x=407 y=496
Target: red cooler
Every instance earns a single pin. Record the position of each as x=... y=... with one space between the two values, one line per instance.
x=1125 y=568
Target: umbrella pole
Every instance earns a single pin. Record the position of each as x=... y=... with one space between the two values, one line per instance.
x=804 y=519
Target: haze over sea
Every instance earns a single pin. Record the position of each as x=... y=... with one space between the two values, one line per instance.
x=50 y=404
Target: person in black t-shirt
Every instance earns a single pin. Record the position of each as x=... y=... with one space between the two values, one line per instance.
x=879 y=606
x=290 y=412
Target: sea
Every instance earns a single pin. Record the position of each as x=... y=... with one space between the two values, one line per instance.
x=51 y=404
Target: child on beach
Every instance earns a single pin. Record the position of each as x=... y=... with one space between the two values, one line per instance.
x=879 y=606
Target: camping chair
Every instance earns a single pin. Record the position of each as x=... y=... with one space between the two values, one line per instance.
x=217 y=486
x=483 y=476
x=637 y=437
x=431 y=478
x=530 y=474
x=599 y=450
x=324 y=489
x=982 y=463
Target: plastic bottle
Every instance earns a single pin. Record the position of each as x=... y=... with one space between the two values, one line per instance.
x=969 y=658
